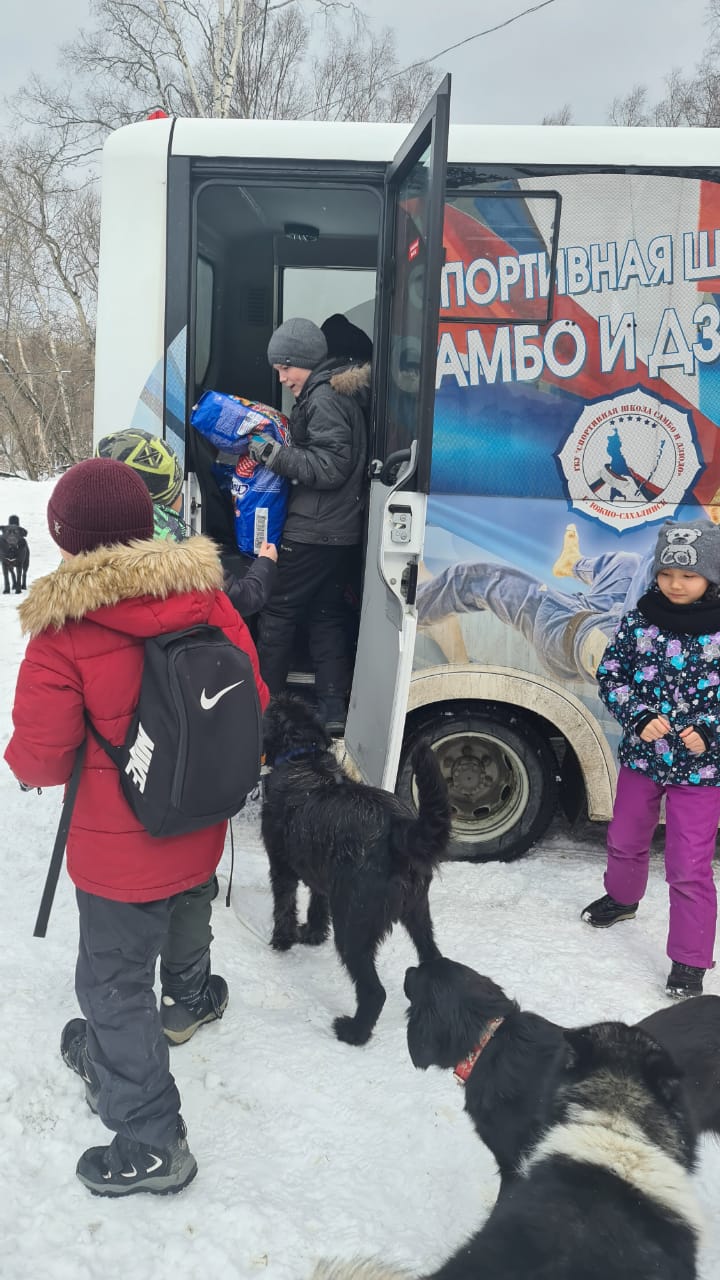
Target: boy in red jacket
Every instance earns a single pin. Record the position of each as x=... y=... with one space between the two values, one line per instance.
x=139 y=897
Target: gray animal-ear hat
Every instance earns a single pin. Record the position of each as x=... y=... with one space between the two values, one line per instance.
x=694 y=546
x=297 y=342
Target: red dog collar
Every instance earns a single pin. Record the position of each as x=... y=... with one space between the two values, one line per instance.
x=463 y=1069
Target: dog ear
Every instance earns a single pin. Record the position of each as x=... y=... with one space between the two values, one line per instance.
x=580 y=1049
x=660 y=1070
x=425 y=1031
x=421 y=1043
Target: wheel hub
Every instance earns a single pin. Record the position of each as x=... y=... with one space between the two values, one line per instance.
x=487 y=783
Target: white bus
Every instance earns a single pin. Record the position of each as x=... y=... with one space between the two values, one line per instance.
x=543 y=304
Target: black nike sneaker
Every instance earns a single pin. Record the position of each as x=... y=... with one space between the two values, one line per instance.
x=126 y=1167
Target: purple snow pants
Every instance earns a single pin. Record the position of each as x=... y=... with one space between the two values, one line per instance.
x=691 y=828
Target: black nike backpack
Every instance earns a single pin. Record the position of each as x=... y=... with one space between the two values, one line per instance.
x=192 y=752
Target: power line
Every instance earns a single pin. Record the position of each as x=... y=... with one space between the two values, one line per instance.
x=424 y=61
x=488 y=31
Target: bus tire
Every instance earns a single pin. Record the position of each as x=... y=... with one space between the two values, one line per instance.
x=502 y=781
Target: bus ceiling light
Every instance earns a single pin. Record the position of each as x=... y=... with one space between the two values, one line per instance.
x=301 y=231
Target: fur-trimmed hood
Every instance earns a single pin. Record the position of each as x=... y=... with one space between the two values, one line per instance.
x=353 y=380
x=105 y=577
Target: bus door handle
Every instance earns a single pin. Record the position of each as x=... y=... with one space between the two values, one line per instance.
x=392 y=463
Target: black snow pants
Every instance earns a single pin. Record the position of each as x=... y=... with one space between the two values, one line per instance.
x=114 y=979
x=310 y=588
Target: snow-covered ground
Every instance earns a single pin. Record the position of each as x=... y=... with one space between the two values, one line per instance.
x=306 y=1146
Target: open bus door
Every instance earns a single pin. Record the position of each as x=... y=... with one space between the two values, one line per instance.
x=402 y=421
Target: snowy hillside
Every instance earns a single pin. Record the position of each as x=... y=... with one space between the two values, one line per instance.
x=305 y=1146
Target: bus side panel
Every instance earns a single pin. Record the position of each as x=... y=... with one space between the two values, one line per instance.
x=129 y=367
x=560 y=446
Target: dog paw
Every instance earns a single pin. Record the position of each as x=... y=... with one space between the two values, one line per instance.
x=347 y=1030
x=282 y=941
x=311 y=937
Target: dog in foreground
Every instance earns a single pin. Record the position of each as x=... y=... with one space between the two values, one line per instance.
x=606 y=1190
x=511 y=1061
x=366 y=858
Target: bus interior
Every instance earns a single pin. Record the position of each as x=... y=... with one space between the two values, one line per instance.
x=265 y=251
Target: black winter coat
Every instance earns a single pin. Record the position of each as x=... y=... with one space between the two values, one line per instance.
x=326 y=460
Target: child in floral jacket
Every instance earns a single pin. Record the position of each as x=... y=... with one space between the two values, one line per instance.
x=660 y=679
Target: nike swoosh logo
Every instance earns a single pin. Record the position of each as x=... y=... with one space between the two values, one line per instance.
x=207 y=703
x=132 y=1173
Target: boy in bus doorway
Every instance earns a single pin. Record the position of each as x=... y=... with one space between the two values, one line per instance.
x=325 y=461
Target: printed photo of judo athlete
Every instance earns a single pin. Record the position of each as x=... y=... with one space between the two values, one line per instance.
x=568 y=631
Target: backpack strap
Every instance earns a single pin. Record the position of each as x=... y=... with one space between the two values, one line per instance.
x=113 y=752
x=59 y=847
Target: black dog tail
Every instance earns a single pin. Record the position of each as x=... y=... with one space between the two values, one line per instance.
x=423 y=840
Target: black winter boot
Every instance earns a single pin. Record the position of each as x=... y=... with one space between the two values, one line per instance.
x=684 y=980
x=181 y=1017
x=73 y=1047
x=126 y=1166
x=605 y=911
x=332 y=712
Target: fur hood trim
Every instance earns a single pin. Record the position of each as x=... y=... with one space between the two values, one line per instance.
x=352 y=380
x=107 y=575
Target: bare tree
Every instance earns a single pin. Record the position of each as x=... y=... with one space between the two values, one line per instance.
x=691 y=100
x=356 y=78
x=632 y=109
x=220 y=58
x=48 y=260
x=563 y=115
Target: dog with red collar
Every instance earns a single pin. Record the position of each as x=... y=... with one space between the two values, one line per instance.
x=510 y=1060
x=605 y=1191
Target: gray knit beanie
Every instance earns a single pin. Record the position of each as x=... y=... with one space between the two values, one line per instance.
x=297 y=342
x=694 y=546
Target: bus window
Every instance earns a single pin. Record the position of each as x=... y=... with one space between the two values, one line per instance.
x=319 y=292
x=500 y=252
x=406 y=314
x=204 y=288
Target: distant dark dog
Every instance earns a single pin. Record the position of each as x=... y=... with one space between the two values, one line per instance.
x=511 y=1061
x=15 y=556
x=366 y=858
x=606 y=1192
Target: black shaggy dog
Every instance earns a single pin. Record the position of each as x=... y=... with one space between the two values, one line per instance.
x=606 y=1193
x=15 y=556
x=366 y=858
x=511 y=1061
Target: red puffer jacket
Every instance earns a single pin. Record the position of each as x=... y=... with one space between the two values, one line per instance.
x=88 y=622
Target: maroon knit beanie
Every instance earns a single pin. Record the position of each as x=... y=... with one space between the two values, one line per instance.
x=97 y=503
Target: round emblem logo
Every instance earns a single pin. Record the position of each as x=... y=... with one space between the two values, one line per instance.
x=630 y=459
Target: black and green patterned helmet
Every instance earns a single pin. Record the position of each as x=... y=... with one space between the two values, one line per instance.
x=150 y=456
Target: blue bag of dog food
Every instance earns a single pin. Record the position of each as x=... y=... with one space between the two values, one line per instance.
x=259 y=497
x=259 y=500
x=227 y=421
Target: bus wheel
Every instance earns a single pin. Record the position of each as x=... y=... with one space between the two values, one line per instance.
x=501 y=776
